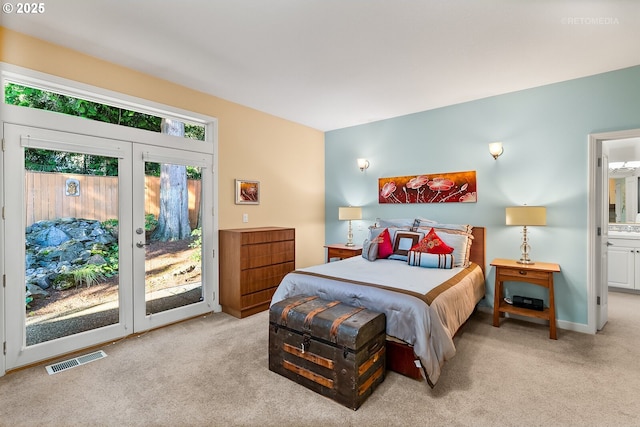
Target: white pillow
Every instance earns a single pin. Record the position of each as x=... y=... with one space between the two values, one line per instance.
x=397 y=223
x=370 y=250
x=457 y=236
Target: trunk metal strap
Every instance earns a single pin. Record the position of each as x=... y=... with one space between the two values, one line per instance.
x=333 y=333
x=313 y=313
x=288 y=307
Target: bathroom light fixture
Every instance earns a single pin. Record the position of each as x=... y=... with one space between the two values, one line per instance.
x=347 y=214
x=363 y=164
x=496 y=149
x=525 y=216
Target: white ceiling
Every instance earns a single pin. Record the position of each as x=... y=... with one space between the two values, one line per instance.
x=330 y=64
x=624 y=150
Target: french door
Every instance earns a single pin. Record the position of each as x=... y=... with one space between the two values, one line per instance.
x=92 y=253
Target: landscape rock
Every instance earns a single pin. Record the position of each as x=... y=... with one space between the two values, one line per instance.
x=96 y=260
x=50 y=236
x=54 y=247
x=36 y=291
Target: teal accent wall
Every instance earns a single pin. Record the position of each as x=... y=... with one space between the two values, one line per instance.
x=545 y=136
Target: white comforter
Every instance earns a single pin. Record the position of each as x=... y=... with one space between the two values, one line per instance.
x=429 y=329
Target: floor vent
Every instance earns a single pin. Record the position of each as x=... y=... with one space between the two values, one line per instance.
x=77 y=361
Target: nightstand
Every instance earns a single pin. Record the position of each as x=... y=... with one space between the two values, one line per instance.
x=540 y=273
x=342 y=251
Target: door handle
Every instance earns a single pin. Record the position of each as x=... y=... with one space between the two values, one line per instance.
x=142 y=245
x=609 y=244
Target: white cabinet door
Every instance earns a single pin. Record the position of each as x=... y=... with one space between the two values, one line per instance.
x=636 y=281
x=622 y=260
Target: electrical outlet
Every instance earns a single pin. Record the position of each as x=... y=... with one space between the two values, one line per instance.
x=245 y=217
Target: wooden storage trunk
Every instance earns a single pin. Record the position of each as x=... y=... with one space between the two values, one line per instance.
x=329 y=347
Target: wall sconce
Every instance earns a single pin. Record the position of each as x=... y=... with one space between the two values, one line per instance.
x=496 y=149
x=363 y=164
x=524 y=216
x=347 y=214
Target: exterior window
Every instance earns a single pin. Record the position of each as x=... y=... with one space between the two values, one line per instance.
x=25 y=96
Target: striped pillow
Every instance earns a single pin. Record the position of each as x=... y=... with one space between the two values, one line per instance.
x=427 y=260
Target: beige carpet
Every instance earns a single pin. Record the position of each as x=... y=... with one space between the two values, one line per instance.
x=212 y=371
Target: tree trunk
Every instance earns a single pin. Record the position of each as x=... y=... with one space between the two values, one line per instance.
x=173 y=218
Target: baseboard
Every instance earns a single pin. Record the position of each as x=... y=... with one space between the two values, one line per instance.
x=560 y=324
x=624 y=290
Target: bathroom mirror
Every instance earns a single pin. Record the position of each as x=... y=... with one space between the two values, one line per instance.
x=624 y=199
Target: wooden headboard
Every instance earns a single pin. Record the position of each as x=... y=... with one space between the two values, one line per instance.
x=478 y=247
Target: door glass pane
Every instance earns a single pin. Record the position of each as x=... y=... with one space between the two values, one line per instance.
x=71 y=250
x=173 y=273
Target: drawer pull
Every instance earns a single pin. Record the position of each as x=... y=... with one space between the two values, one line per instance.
x=522 y=272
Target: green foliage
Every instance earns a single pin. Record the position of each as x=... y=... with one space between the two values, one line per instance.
x=150 y=222
x=110 y=254
x=194 y=132
x=58 y=161
x=15 y=94
x=193 y=172
x=88 y=274
x=42 y=100
x=153 y=169
x=42 y=160
x=196 y=233
x=27 y=301
x=111 y=225
x=91 y=274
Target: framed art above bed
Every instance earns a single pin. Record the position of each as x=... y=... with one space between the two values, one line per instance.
x=447 y=187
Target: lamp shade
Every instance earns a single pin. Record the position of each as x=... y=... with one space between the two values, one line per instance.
x=495 y=149
x=363 y=164
x=526 y=215
x=348 y=213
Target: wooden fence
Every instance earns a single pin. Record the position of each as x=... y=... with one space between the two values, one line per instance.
x=46 y=197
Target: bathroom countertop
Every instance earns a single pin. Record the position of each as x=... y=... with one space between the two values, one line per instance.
x=614 y=234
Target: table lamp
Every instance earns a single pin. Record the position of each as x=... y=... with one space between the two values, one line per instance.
x=526 y=216
x=347 y=214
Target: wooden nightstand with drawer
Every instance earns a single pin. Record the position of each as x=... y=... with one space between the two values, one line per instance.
x=540 y=273
x=342 y=251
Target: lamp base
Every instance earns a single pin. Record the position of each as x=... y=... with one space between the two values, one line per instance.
x=525 y=249
x=350 y=237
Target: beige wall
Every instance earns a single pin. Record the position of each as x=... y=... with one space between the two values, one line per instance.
x=287 y=158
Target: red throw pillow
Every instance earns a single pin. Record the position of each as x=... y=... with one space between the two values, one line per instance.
x=385 y=248
x=432 y=244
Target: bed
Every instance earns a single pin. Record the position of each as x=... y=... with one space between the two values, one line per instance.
x=425 y=307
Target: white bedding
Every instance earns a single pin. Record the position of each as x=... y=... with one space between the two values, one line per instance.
x=429 y=329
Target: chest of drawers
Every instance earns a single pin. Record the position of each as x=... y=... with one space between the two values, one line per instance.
x=253 y=261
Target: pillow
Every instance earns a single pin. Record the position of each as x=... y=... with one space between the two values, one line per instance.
x=461 y=244
x=422 y=259
x=385 y=248
x=424 y=221
x=457 y=236
x=465 y=228
x=374 y=232
x=370 y=250
x=398 y=223
x=432 y=244
x=403 y=242
x=406 y=223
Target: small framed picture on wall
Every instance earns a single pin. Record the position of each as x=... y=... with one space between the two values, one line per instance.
x=247 y=192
